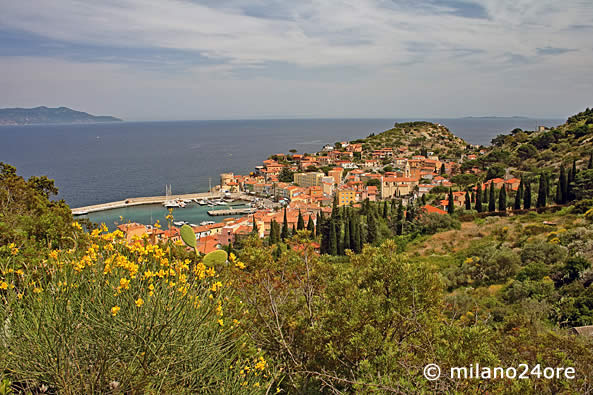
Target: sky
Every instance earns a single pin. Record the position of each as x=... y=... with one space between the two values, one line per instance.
x=234 y=59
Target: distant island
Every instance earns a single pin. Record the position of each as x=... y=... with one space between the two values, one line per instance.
x=40 y=115
x=495 y=117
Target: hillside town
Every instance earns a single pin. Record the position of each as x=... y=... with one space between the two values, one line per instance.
x=345 y=174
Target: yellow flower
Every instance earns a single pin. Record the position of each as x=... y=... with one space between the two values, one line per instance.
x=139 y=302
x=261 y=364
x=216 y=286
x=124 y=283
x=240 y=265
x=3 y=285
x=37 y=290
x=115 y=310
x=77 y=225
x=220 y=322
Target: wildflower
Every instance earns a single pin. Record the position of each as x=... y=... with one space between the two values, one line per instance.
x=76 y=225
x=53 y=254
x=139 y=302
x=216 y=286
x=13 y=249
x=115 y=310
x=3 y=285
x=37 y=290
x=124 y=283
x=261 y=364
x=240 y=265
x=220 y=322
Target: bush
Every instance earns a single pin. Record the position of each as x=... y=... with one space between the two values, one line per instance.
x=432 y=223
x=125 y=317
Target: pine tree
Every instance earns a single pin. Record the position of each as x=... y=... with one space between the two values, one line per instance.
x=333 y=239
x=519 y=196
x=311 y=225
x=479 y=198
x=527 y=195
x=468 y=202
x=492 y=199
x=502 y=199
x=541 y=192
x=346 y=242
x=300 y=222
x=451 y=205
x=371 y=229
x=284 y=233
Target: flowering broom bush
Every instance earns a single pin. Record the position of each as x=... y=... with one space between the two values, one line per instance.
x=112 y=316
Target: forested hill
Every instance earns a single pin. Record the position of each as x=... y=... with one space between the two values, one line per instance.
x=40 y=115
x=417 y=136
x=545 y=150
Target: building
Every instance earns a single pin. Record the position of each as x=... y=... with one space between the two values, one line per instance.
x=346 y=196
x=336 y=174
x=307 y=180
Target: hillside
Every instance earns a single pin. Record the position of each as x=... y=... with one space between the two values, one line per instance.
x=417 y=136
x=536 y=151
x=40 y=115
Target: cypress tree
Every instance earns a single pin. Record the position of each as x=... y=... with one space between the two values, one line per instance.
x=451 y=205
x=502 y=199
x=423 y=199
x=352 y=233
x=479 y=198
x=339 y=238
x=541 y=192
x=385 y=210
x=346 y=243
x=492 y=199
x=284 y=233
x=278 y=251
x=273 y=236
x=443 y=170
x=519 y=196
x=359 y=237
x=468 y=202
x=393 y=207
x=300 y=222
x=485 y=194
x=333 y=238
x=311 y=225
x=371 y=229
x=569 y=179
x=562 y=192
x=590 y=165
x=527 y=195
x=335 y=207
x=254 y=229
x=319 y=223
x=293 y=232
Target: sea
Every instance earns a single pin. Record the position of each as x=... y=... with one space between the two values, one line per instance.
x=103 y=162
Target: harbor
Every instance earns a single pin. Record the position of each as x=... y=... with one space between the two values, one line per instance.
x=231 y=211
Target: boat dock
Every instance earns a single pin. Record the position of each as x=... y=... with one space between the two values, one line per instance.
x=151 y=200
x=232 y=211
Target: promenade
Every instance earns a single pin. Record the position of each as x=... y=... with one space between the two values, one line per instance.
x=151 y=200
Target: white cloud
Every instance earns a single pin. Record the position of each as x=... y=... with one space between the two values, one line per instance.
x=404 y=54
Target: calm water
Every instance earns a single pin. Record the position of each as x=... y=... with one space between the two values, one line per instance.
x=105 y=162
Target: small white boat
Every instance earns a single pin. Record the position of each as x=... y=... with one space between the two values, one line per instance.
x=179 y=223
x=181 y=203
x=171 y=204
x=202 y=202
x=193 y=225
x=204 y=223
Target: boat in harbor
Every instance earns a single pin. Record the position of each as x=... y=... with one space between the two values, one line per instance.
x=204 y=223
x=179 y=223
x=171 y=204
x=202 y=202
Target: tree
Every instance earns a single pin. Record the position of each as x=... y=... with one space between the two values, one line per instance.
x=451 y=204
x=468 y=203
x=519 y=196
x=335 y=207
x=443 y=170
x=583 y=185
x=284 y=233
x=273 y=234
x=254 y=230
x=311 y=225
x=371 y=228
x=352 y=232
x=486 y=195
x=562 y=189
x=339 y=238
x=527 y=195
x=479 y=198
x=502 y=199
x=300 y=222
x=346 y=243
x=286 y=175
x=385 y=209
x=333 y=238
x=359 y=238
x=590 y=164
x=541 y=193
x=492 y=199
x=318 y=226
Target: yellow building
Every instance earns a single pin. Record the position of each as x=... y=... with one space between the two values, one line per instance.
x=307 y=180
x=346 y=197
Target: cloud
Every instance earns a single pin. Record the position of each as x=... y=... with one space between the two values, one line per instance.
x=334 y=48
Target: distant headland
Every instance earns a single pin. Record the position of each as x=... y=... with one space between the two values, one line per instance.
x=41 y=115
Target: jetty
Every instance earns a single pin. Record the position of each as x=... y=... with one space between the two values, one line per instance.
x=130 y=202
x=232 y=211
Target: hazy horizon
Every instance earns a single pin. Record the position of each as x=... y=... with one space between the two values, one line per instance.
x=155 y=60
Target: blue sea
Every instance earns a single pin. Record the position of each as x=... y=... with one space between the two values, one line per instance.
x=96 y=163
